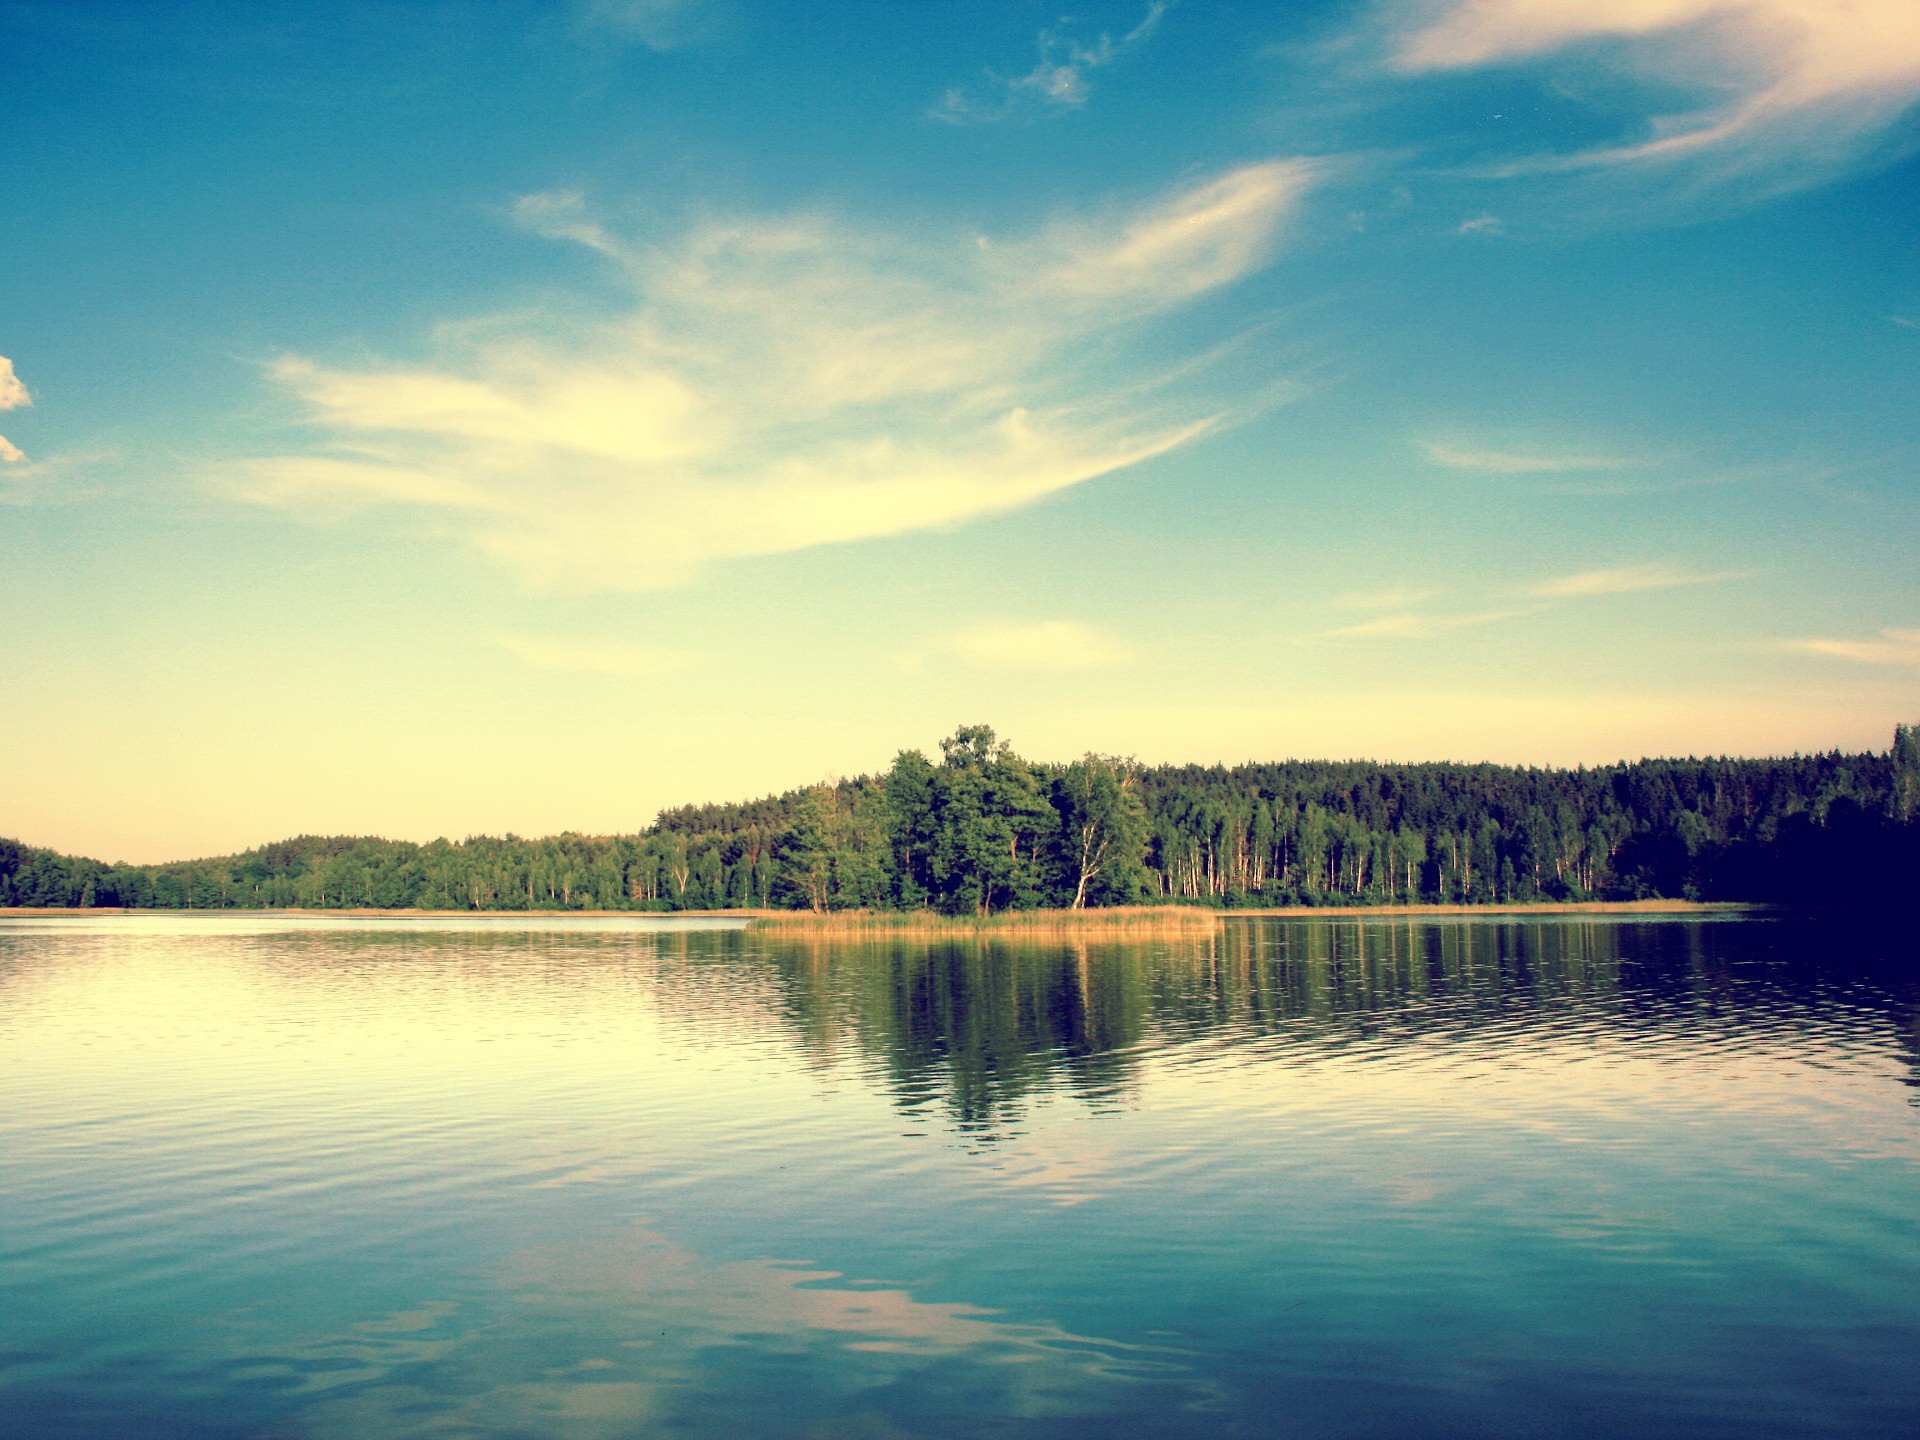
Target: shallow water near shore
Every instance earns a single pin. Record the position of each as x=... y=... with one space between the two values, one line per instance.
x=307 y=1177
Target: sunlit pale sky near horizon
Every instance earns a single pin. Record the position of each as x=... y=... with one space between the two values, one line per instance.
x=433 y=419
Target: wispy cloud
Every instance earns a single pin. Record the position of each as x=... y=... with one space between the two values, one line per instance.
x=1890 y=647
x=1406 y=617
x=1057 y=82
x=1417 y=625
x=54 y=478
x=598 y=657
x=657 y=24
x=1048 y=646
x=1481 y=225
x=1626 y=579
x=776 y=384
x=1397 y=598
x=1499 y=459
x=1789 y=87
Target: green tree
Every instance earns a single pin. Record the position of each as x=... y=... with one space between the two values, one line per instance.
x=1103 y=830
x=991 y=826
x=908 y=793
x=805 y=855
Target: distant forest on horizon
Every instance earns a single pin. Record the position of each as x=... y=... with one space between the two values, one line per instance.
x=979 y=829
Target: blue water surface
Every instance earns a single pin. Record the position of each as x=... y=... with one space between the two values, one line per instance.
x=287 y=1177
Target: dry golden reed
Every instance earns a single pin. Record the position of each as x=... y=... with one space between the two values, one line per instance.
x=1140 y=920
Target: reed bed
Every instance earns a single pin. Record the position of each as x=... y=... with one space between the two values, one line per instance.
x=1128 y=920
x=1522 y=907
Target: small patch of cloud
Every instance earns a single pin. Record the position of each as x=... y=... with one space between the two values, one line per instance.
x=779 y=383
x=55 y=479
x=1791 y=88
x=1501 y=459
x=563 y=215
x=1047 y=646
x=13 y=393
x=1398 y=598
x=594 y=657
x=1404 y=618
x=1057 y=83
x=1628 y=579
x=1893 y=647
x=1481 y=225
x=657 y=24
x=1417 y=625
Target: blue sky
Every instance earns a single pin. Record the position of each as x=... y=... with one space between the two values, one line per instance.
x=440 y=418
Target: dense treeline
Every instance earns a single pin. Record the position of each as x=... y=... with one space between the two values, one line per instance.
x=982 y=829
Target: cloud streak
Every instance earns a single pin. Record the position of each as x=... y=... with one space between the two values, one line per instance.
x=778 y=384
x=1417 y=625
x=1057 y=83
x=657 y=24
x=1628 y=579
x=1890 y=648
x=1799 y=82
x=1401 y=619
x=1515 y=459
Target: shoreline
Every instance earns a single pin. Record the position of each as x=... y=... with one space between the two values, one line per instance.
x=1104 y=917
x=1533 y=907
x=30 y=912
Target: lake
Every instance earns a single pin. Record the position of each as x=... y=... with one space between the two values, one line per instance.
x=299 y=1177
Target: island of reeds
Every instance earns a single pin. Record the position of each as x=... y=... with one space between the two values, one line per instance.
x=981 y=832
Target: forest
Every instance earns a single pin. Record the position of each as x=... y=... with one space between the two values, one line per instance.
x=980 y=829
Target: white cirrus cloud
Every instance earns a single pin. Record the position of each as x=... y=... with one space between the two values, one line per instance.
x=57 y=479
x=1049 y=646
x=1417 y=625
x=1398 y=597
x=1516 y=459
x=1893 y=647
x=1627 y=579
x=777 y=384
x=1784 y=80
x=1056 y=83
x=574 y=655
x=657 y=24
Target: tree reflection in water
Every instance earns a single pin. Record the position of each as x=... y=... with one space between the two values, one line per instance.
x=984 y=1026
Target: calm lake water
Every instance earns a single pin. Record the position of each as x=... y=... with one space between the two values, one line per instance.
x=290 y=1178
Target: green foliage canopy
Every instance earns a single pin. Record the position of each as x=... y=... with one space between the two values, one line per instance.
x=983 y=829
